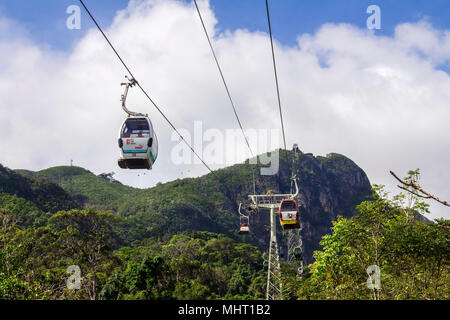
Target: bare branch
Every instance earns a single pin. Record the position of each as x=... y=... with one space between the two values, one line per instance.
x=412 y=192
x=424 y=195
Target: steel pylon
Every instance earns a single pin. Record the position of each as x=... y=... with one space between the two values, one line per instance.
x=273 y=273
x=272 y=202
x=294 y=240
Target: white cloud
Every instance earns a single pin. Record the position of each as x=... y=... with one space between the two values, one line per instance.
x=381 y=101
x=421 y=38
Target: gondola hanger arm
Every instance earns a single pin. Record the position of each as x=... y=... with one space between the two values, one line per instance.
x=294 y=178
x=131 y=82
x=240 y=213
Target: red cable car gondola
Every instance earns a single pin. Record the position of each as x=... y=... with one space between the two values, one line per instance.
x=289 y=214
x=244 y=229
x=244 y=222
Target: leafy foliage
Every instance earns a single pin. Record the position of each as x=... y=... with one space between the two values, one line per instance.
x=189 y=266
x=412 y=255
x=196 y=265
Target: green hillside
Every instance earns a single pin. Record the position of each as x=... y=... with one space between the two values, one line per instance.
x=30 y=198
x=329 y=186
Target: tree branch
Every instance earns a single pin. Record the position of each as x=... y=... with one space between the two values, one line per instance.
x=424 y=195
x=412 y=192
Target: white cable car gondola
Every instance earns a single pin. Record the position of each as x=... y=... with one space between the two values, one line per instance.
x=138 y=143
x=289 y=214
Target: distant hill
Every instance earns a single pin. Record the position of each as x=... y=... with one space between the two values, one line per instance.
x=329 y=186
x=29 y=197
x=158 y=212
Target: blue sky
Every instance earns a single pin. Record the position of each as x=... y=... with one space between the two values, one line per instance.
x=45 y=19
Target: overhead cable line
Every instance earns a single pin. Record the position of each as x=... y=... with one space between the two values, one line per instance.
x=298 y=239
x=278 y=91
x=147 y=95
x=227 y=89
x=222 y=76
x=276 y=74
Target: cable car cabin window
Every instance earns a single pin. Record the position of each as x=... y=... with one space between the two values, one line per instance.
x=288 y=206
x=135 y=128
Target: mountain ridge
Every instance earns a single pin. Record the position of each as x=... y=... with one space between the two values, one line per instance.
x=329 y=186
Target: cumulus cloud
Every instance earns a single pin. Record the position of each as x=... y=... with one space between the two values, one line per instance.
x=382 y=101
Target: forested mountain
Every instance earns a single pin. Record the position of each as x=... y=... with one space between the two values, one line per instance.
x=179 y=240
x=329 y=186
x=29 y=198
